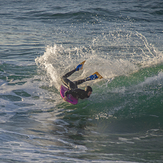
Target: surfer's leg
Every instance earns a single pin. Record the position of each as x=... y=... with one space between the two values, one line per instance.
x=81 y=81
x=68 y=82
x=69 y=74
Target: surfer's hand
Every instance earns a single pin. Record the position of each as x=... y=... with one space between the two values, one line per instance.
x=65 y=98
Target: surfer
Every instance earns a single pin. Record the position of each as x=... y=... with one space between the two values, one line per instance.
x=73 y=86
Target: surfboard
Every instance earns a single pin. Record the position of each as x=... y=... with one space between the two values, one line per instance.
x=71 y=99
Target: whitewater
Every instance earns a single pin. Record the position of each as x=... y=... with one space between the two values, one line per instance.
x=122 y=121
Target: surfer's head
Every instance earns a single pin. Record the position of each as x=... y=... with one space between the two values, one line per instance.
x=88 y=89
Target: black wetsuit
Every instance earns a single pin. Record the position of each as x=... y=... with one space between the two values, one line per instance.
x=73 y=89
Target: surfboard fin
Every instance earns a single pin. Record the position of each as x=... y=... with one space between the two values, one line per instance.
x=94 y=76
x=80 y=66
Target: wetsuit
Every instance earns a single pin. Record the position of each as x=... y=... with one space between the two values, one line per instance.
x=72 y=86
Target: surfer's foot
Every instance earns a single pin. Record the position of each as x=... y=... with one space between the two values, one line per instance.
x=80 y=66
x=92 y=77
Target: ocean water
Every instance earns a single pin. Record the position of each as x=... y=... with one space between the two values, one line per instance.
x=122 y=121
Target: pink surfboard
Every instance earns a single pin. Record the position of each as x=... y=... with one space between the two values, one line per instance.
x=71 y=99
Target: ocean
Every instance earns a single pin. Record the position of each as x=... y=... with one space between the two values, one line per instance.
x=122 y=121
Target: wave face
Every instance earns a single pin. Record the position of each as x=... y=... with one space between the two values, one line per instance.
x=40 y=41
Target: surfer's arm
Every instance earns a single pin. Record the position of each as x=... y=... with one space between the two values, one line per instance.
x=65 y=95
x=67 y=92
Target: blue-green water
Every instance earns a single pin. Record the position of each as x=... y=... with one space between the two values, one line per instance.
x=122 y=121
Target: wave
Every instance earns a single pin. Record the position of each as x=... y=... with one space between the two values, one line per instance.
x=132 y=71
